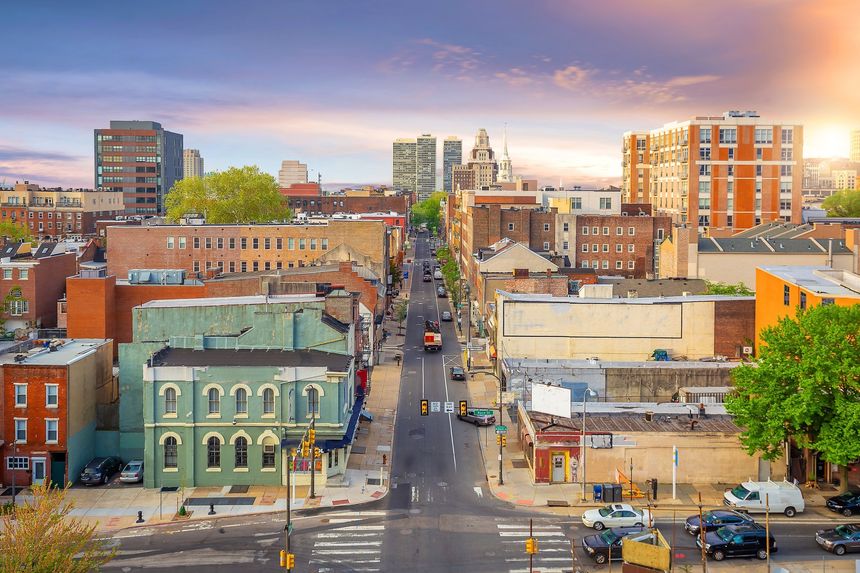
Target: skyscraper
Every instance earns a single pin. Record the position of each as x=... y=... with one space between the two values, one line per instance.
x=482 y=160
x=292 y=172
x=425 y=166
x=404 y=165
x=192 y=163
x=636 y=168
x=506 y=170
x=139 y=159
x=854 y=154
x=452 y=154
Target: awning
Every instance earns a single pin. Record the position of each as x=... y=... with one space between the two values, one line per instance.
x=348 y=436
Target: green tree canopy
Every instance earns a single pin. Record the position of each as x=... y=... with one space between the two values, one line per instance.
x=237 y=195
x=429 y=210
x=450 y=273
x=15 y=232
x=804 y=386
x=844 y=203
x=739 y=289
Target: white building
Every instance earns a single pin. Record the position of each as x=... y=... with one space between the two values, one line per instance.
x=291 y=172
x=192 y=163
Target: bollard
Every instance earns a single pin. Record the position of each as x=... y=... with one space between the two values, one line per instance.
x=139 y=517
x=211 y=509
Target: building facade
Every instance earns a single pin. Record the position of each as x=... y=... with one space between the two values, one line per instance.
x=249 y=375
x=139 y=159
x=292 y=172
x=452 y=154
x=404 y=158
x=506 y=168
x=854 y=153
x=55 y=214
x=636 y=168
x=192 y=163
x=728 y=172
x=425 y=166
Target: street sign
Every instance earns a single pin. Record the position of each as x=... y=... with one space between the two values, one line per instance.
x=449 y=407
x=435 y=406
x=501 y=429
x=290 y=529
x=483 y=412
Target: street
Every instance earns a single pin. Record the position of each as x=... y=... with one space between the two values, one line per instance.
x=439 y=515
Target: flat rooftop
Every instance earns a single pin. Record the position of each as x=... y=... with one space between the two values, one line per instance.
x=511 y=365
x=278 y=358
x=67 y=351
x=820 y=280
x=604 y=418
x=232 y=301
x=517 y=297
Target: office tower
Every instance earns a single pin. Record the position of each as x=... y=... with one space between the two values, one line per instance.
x=404 y=165
x=482 y=160
x=636 y=168
x=139 y=159
x=192 y=163
x=292 y=172
x=728 y=172
x=452 y=154
x=425 y=166
x=854 y=154
x=506 y=170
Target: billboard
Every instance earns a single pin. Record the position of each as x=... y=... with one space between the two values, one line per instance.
x=552 y=400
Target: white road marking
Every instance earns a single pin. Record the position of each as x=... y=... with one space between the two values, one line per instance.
x=478 y=491
x=347 y=544
x=535 y=534
x=341 y=535
x=362 y=528
x=346 y=552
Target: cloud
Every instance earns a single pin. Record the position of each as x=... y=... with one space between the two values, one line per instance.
x=571 y=77
x=638 y=84
x=516 y=77
x=8 y=153
x=45 y=167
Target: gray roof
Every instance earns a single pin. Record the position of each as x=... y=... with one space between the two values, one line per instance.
x=629 y=422
x=771 y=245
x=518 y=297
x=220 y=357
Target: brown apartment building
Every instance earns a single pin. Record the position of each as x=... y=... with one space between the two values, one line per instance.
x=616 y=245
x=331 y=204
x=213 y=249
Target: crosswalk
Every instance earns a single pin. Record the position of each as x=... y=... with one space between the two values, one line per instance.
x=350 y=542
x=553 y=547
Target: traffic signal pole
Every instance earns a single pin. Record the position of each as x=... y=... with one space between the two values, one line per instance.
x=313 y=453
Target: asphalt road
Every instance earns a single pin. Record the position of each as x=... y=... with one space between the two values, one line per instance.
x=439 y=515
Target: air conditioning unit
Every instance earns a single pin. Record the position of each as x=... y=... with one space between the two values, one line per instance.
x=747 y=350
x=269 y=449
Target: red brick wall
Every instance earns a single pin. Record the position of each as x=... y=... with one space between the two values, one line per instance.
x=735 y=326
x=340 y=204
x=50 y=285
x=645 y=231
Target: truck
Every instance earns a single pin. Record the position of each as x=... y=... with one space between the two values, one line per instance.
x=760 y=496
x=432 y=336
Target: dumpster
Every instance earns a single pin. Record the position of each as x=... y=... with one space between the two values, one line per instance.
x=598 y=492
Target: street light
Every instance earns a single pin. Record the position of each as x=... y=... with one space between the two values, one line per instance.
x=284 y=446
x=588 y=392
x=467 y=290
x=501 y=447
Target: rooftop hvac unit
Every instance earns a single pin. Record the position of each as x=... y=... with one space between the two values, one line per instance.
x=747 y=350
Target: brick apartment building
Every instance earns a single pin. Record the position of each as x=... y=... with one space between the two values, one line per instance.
x=55 y=214
x=331 y=204
x=48 y=408
x=214 y=249
x=31 y=283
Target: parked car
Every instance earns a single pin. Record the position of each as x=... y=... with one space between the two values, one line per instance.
x=446 y=316
x=841 y=539
x=607 y=545
x=440 y=292
x=616 y=515
x=847 y=503
x=132 y=472
x=457 y=373
x=427 y=278
x=737 y=541
x=100 y=470
x=716 y=519
x=437 y=275
x=433 y=252
x=760 y=496
x=473 y=418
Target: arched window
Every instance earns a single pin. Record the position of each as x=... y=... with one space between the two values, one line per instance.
x=241 y=453
x=313 y=401
x=214 y=401
x=268 y=453
x=170 y=401
x=268 y=401
x=170 y=452
x=213 y=452
x=241 y=401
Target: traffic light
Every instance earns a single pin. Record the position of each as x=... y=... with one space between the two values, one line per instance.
x=291 y=561
x=283 y=558
x=425 y=407
x=463 y=407
x=504 y=441
x=317 y=453
x=305 y=449
x=498 y=439
x=312 y=435
x=531 y=546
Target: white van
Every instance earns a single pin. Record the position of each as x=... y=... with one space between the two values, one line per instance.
x=760 y=496
x=437 y=275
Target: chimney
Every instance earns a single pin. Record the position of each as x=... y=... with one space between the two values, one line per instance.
x=339 y=304
x=549 y=273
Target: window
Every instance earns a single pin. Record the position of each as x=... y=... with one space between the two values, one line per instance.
x=595 y=231
x=631 y=247
x=546 y=227
x=243 y=266
x=576 y=203
x=255 y=266
x=619 y=231
x=758 y=170
x=231 y=243
x=786 y=154
x=268 y=401
x=51 y=395
x=705 y=135
x=785 y=170
x=20 y=394
x=279 y=243
x=605 y=264
x=17 y=463
x=802 y=301
x=169 y=242
x=21 y=430
x=267 y=243
x=301 y=244
x=606 y=202
x=631 y=265
x=605 y=230
x=546 y=245
x=728 y=135
x=584 y=264
x=787 y=136
x=759 y=153
x=255 y=243
x=605 y=247
x=595 y=248
x=595 y=264
x=705 y=169
x=196 y=242
x=565 y=245
x=584 y=247
x=241 y=401
x=585 y=230
x=731 y=153
x=52 y=433
x=659 y=234
x=7 y=274
x=313 y=401
x=510 y=226
x=705 y=153
x=243 y=242
x=827 y=301
x=619 y=248
x=241 y=447
x=19 y=307
x=268 y=455
x=291 y=244
x=730 y=170
x=170 y=452
x=324 y=244
x=213 y=452
x=170 y=401
x=631 y=231
x=219 y=242
x=619 y=265
x=181 y=242
x=566 y=227
x=214 y=401
x=313 y=244
x=764 y=135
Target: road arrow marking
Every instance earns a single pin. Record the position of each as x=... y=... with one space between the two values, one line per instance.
x=478 y=491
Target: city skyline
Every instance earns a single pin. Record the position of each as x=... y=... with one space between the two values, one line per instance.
x=566 y=93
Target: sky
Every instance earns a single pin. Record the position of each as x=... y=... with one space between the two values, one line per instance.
x=333 y=82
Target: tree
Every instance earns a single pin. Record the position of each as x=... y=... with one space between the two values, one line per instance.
x=400 y=312
x=429 y=210
x=395 y=272
x=844 y=203
x=237 y=195
x=450 y=273
x=41 y=537
x=14 y=232
x=739 y=289
x=804 y=386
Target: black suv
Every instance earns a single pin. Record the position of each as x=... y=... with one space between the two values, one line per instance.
x=716 y=519
x=847 y=504
x=606 y=545
x=100 y=470
x=737 y=541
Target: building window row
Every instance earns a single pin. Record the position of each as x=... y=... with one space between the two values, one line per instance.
x=631 y=231
x=604 y=264
x=213 y=453
x=213 y=397
x=255 y=243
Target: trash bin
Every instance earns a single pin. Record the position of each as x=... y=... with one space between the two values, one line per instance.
x=598 y=492
x=608 y=493
x=617 y=492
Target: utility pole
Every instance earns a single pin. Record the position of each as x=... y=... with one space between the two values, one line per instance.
x=767 y=527
x=288 y=528
x=313 y=449
x=702 y=536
